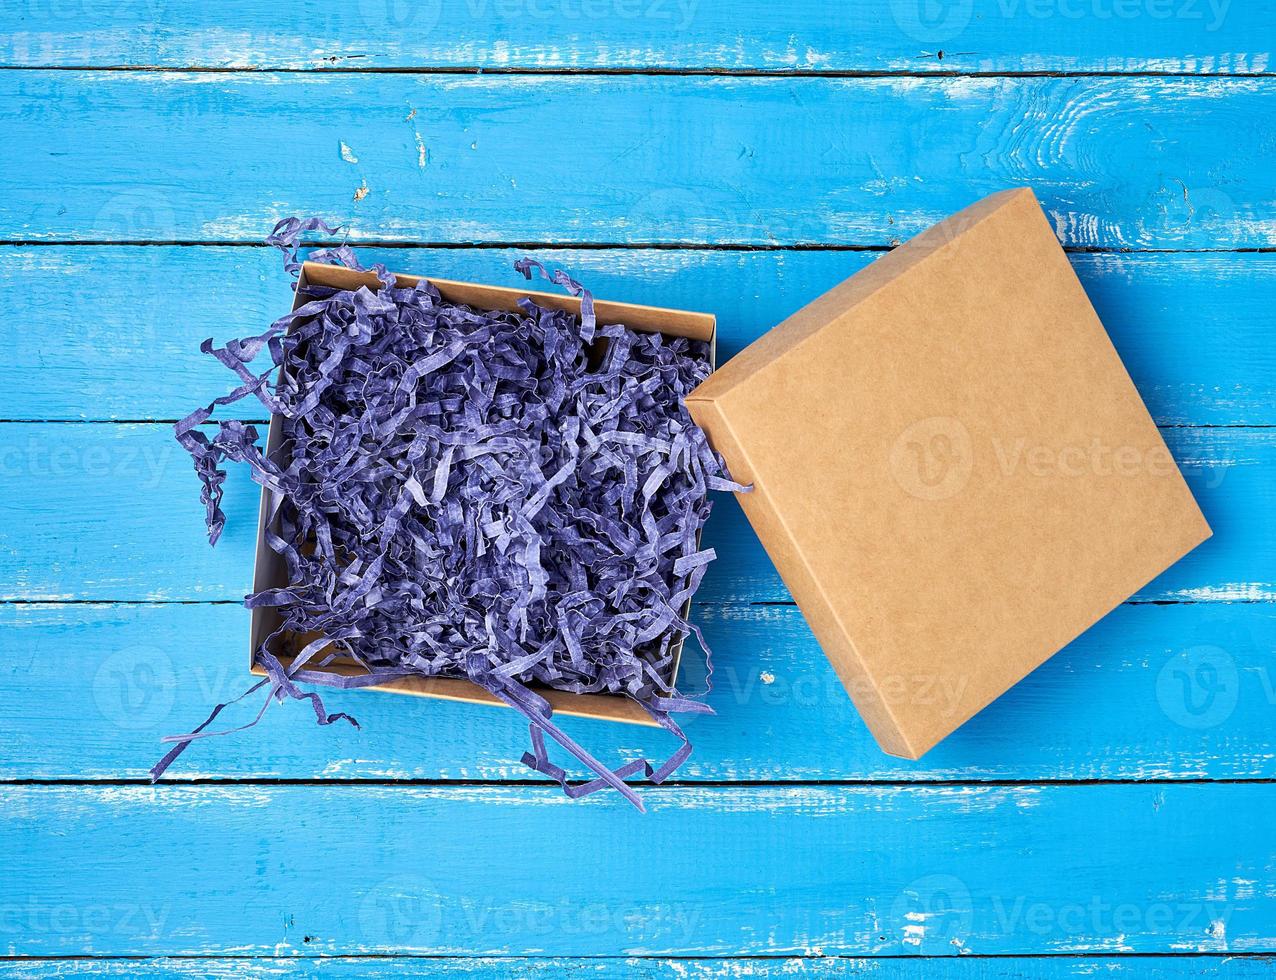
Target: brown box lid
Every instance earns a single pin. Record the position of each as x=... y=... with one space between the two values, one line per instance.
x=952 y=470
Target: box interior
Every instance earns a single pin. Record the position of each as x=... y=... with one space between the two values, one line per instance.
x=271 y=572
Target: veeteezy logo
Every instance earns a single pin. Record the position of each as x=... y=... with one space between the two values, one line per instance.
x=404 y=911
x=934 y=458
x=678 y=13
x=399 y=15
x=37 y=917
x=933 y=914
x=1199 y=687
x=1098 y=916
x=940 y=21
x=1093 y=459
x=817 y=688
x=135 y=688
x=932 y=21
x=142 y=467
x=1211 y=13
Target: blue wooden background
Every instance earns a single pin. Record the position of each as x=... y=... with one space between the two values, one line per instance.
x=1110 y=816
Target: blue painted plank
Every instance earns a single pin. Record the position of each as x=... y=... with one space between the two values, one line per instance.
x=96 y=331
x=1118 y=162
x=112 y=512
x=1188 y=36
x=633 y=968
x=708 y=871
x=1184 y=691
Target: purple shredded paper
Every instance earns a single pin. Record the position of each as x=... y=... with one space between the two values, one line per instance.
x=512 y=498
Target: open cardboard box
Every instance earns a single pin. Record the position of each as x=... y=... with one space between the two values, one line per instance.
x=952 y=470
x=271 y=572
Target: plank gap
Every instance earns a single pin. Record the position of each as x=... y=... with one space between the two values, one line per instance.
x=178 y=782
x=596 y=72
x=567 y=246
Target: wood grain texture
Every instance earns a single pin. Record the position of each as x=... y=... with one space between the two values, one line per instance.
x=781 y=871
x=1194 y=329
x=112 y=512
x=1184 y=691
x=634 y=968
x=841 y=851
x=145 y=156
x=1188 y=36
